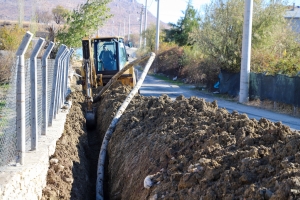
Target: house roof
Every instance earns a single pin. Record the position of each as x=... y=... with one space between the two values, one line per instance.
x=294 y=13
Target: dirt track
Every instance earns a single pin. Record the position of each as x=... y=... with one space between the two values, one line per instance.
x=186 y=149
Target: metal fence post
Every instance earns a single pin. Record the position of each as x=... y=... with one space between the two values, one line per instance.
x=21 y=97
x=67 y=72
x=64 y=64
x=56 y=95
x=64 y=69
x=45 y=87
x=59 y=81
x=54 y=85
x=34 y=102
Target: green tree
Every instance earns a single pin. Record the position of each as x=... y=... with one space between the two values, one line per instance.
x=221 y=28
x=59 y=13
x=83 y=22
x=150 y=35
x=180 y=31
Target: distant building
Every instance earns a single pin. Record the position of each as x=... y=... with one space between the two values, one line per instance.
x=293 y=15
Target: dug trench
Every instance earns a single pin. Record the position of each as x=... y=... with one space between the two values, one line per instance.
x=175 y=149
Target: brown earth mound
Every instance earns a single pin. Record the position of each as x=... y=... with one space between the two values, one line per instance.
x=182 y=149
x=191 y=149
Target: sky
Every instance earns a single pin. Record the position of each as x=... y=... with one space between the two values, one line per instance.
x=171 y=10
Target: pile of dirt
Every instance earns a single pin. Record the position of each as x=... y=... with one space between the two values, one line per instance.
x=181 y=149
x=192 y=149
x=69 y=172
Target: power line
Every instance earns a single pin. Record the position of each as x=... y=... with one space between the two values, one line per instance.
x=150 y=4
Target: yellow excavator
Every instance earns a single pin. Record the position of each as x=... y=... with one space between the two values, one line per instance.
x=103 y=57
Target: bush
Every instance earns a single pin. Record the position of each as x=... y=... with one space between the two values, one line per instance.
x=169 y=62
x=264 y=61
x=187 y=64
x=197 y=69
x=6 y=61
x=11 y=37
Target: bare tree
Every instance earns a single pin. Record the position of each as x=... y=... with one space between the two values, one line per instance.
x=43 y=16
x=60 y=14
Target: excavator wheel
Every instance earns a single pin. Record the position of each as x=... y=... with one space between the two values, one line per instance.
x=90 y=118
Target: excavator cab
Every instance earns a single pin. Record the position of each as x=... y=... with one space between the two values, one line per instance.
x=103 y=57
x=105 y=53
x=106 y=56
x=109 y=57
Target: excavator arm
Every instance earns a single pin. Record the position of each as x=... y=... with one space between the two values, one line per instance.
x=88 y=76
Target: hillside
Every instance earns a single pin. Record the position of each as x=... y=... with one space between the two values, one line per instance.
x=119 y=8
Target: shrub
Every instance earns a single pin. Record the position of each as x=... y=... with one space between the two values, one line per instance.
x=6 y=61
x=197 y=69
x=11 y=37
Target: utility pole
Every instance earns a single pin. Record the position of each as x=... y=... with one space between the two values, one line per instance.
x=157 y=28
x=145 y=24
x=128 y=38
x=112 y=28
x=246 y=52
x=141 y=27
x=124 y=29
x=21 y=12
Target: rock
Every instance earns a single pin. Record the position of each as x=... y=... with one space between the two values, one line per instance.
x=266 y=193
x=53 y=161
x=188 y=180
x=148 y=182
x=176 y=177
x=195 y=168
x=154 y=197
x=295 y=191
x=68 y=179
x=59 y=168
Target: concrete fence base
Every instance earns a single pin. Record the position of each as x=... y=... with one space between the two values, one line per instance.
x=27 y=181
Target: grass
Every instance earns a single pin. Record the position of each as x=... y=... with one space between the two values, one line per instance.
x=167 y=79
x=162 y=77
x=2 y=121
x=4 y=86
x=3 y=89
x=2 y=103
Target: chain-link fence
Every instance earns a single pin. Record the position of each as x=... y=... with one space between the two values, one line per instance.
x=8 y=137
x=26 y=112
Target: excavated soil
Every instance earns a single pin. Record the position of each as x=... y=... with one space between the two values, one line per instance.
x=191 y=149
x=69 y=172
x=181 y=149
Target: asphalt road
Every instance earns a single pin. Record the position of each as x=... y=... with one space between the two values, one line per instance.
x=155 y=87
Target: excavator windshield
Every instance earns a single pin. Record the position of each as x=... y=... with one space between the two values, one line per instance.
x=105 y=54
x=109 y=55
